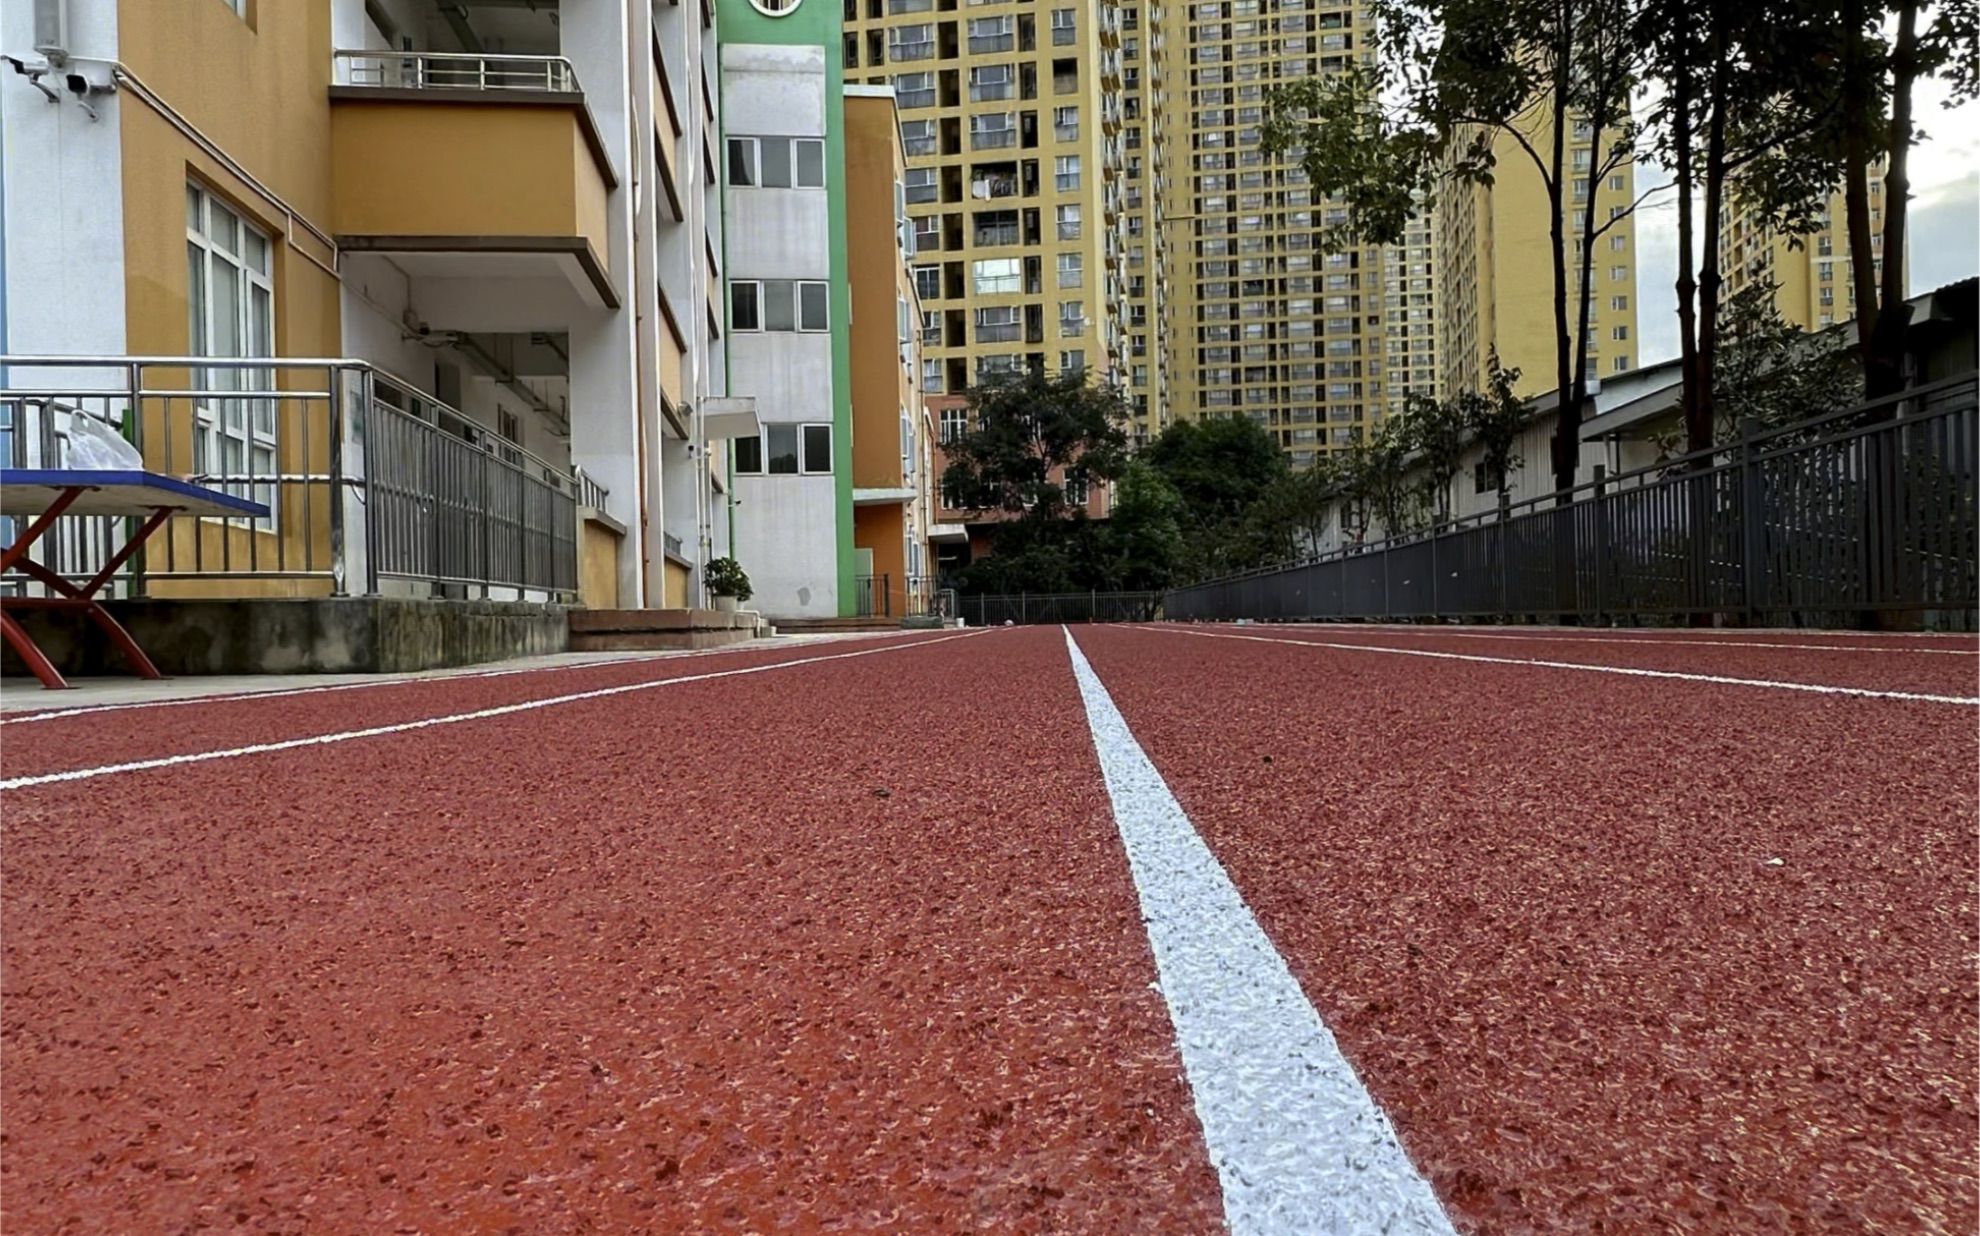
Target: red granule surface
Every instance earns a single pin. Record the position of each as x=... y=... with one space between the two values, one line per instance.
x=89 y=739
x=1926 y=666
x=1538 y=909
x=850 y=945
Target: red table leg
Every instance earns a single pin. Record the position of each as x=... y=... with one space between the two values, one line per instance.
x=36 y=661
x=72 y=597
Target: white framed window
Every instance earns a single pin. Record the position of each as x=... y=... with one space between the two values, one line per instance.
x=779 y=305
x=994 y=276
x=928 y=282
x=1072 y=270
x=991 y=82
x=1618 y=272
x=955 y=424
x=749 y=455
x=1063 y=30
x=1065 y=173
x=992 y=129
x=1617 y=243
x=787 y=450
x=1622 y=363
x=777 y=162
x=914 y=90
x=992 y=34
x=921 y=187
x=817 y=441
x=1073 y=361
x=915 y=42
x=1619 y=332
x=999 y=324
x=918 y=137
x=931 y=375
x=230 y=299
x=1077 y=486
x=931 y=329
x=1619 y=303
x=1065 y=124
x=1068 y=217
x=1072 y=318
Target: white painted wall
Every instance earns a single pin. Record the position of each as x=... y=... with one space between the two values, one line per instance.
x=64 y=208
x=786 y=544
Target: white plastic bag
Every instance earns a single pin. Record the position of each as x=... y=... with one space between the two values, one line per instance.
x=95 y=447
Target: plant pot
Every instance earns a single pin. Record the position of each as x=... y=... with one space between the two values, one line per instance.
x=727 y=605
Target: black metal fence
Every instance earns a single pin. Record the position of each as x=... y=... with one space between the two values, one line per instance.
x=1871 y=508
x=1046 y=607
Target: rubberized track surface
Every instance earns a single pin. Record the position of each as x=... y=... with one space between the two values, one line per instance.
x=853 y=943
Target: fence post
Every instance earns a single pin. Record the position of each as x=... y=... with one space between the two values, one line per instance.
x=1601 y=518
x=339 y=583
x=1505 y=555
x=1024 y=616
x=1436 y=611
x=1752 y=541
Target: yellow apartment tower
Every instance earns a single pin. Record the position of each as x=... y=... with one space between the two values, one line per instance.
x=1497 y=290
x=1259 y=319
x=1023 y=126
x=1810 y=273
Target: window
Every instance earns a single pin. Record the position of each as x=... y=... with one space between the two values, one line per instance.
x=991 y=82
x=744 y=307
x=921 y=184
x=1072 y=318
x=915 y=42
x=1073 y=361
x=749 y=455
x=928 y=282
x=817 y=448
x=992 y=34
x=998 y=324
x=1618 y=272
x=1619 y=332
x=931 y=375
x=918 y=137
x=955 y=424
x=1065 y=124
x=1062 y=25
x=777 y=162
x=231 y=312
x=1622 y=363
x=779 y=305
x=1617 y=243
x=1616 y=182
x=914 y=89
x=1068 y=222
x=1065 y=173
x=1619 y=303
x=783 y=441
x=1072 y=272
x=1076 y=487
x=992 y=129
x=931 y=328
x=993 y=276
x=849 y=57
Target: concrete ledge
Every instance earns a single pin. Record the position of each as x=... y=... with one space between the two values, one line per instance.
x=320 y=635
x=604 y=621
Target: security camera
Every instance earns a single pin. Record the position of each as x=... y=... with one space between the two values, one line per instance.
x=77 y=83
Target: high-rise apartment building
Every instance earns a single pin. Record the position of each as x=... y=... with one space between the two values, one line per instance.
x=1262 y=320
x=1496 y=275
x=1411 y=273
x=1015 y=119
x=1810 y=273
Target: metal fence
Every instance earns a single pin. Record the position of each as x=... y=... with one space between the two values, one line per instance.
x=374 y=486
x=871 y=597
x=1870 y=508
x=1047 y=607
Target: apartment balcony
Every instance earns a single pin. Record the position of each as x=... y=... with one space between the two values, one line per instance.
x=472 y=167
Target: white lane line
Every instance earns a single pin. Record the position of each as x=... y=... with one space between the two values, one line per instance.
x=1298 y=1143
x=319 y=740
x=1627 y=670
x=89 y=710
x=1626 y=641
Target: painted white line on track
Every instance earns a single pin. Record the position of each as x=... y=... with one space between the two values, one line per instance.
x=1626 y=641
x=1298 y=1143
x=228 y=697
x=319 y=740
x=1631 y=671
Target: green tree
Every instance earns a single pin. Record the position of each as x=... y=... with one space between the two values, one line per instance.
x=1436 y=430
x=1220 y=467
x=1458 y=81
x=1141 y=547
x=1772 y=371
x=1025 y=433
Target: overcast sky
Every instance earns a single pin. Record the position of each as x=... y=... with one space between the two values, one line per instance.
x=1943 y=241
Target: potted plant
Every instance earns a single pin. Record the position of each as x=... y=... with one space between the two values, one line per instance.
x=726 y=580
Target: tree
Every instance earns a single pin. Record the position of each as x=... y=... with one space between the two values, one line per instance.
x=1460 y=81
x=1436 y=436
x=1772 y=371
x=1025 y=433
x=1219 y=467
x=1494 y=420
x=1142 y=545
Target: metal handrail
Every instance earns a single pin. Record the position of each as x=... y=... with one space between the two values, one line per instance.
x=417 y=70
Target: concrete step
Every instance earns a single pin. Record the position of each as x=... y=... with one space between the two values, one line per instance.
x=834 y=626
x=650 y=630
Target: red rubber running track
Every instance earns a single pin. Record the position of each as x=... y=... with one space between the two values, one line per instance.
x=853 y=942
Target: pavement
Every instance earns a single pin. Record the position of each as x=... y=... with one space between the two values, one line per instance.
x=1160 y=928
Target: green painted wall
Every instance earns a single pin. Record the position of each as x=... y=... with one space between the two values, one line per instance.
x=815 y=23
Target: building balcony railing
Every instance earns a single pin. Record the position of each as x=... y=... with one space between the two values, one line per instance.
x=454 y=71
x=374 y=487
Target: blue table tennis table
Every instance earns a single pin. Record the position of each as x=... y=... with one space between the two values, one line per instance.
x=48 y=494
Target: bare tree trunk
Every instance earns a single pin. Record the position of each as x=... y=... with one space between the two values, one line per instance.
x=1697 y=430
x=1710 y=277
x=1856 y=187
x=1565 y=448
x=1884 y=361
